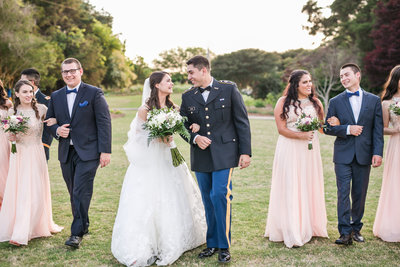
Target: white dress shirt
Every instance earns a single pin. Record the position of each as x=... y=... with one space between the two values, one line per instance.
x=71 y=98
x=355 y=103
x=70 y=101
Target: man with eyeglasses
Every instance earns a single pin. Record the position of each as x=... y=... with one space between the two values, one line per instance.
x=84 y=132
x=33 y=76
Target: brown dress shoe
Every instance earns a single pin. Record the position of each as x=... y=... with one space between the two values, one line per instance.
x=357 y=236
x=344 y=240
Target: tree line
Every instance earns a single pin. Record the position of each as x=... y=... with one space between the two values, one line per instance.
x=362 y=31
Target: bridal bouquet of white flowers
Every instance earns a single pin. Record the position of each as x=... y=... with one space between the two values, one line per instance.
x=164 y=122
x=306 y=123
x=395 y=107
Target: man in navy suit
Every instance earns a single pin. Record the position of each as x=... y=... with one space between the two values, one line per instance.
x=33 y=76
x=84 y=132
x=358 y=144
x=222 y=143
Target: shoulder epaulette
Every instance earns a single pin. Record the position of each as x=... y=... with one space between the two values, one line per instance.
x=188 y=90
x=226 y=82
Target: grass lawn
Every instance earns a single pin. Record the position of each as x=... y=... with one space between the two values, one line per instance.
x=251 y=188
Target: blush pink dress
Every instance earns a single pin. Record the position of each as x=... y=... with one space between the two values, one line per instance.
x=4 y=157
x=387 y=220
x=297 y=204
x=26 y=212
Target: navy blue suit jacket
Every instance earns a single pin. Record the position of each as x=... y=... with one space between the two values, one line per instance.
x=364 y=146
x=46 y=137
x=223 y=119
x=90 y=122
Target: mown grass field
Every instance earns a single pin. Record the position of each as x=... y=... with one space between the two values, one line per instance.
x=251 y=188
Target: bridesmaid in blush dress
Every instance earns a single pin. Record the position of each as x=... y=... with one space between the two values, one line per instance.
x=5 y=104
x=297 y=204
x=26 y=212
x=387 y=220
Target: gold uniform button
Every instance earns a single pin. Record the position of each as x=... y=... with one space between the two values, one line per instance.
x=223 y=106
x=208 y=133
x=234 y=139
x=208 y=125
x=207 y=117
x=206 y=109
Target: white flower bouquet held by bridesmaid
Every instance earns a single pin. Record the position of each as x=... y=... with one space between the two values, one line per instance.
x=306 y=123
x=165 y=122
x=15 y=124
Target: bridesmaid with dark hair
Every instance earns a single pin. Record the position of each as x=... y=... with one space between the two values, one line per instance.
x=297 y=204
x=5 y=105
x=26 y=212
x=387 y=220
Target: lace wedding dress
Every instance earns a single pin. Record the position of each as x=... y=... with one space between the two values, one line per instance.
x=160 y=213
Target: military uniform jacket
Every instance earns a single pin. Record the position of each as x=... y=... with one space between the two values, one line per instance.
x=223 y=119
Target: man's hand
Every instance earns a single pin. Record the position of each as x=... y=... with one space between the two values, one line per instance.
x=356 y=130
x=203 y=142
x=63 y=130
x=244 y=161
x=376 y=161
x=105 y=159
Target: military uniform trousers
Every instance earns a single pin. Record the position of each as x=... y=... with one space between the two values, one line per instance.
x=216 y=192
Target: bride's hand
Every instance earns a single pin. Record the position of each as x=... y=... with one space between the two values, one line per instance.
x=167 y=139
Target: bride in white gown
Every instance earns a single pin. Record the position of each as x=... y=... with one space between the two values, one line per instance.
x=160 y=213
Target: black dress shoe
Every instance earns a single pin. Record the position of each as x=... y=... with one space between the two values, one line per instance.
x=357 y=236
x=224 y=256
x=344 y=240
x=208 y=252
x=74 y=241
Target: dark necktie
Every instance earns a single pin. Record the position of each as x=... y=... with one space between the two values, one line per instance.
x=72 y=91
x=204 y=89
x=349 y=94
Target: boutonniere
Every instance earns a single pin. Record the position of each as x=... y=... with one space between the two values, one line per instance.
x=83 y=104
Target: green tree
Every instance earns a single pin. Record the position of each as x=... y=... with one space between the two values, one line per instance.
x=174 y=60
x=141 y=69
x=246 y=67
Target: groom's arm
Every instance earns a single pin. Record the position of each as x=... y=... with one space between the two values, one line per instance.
x=103 y=122
x=340 y=130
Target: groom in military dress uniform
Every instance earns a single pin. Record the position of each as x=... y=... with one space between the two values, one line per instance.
x=222 y=143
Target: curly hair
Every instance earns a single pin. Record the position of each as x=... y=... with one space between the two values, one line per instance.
x=153 y=101
x=17 y=101
x=292 y=95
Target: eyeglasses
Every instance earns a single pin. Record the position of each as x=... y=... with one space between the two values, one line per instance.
x=71 y=71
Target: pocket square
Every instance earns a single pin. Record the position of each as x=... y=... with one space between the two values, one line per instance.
x=83 y=104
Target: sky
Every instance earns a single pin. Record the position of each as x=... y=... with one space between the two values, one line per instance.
x=150 y=27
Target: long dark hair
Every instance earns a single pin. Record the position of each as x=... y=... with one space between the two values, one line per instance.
x=391 y=86
x=3 y=96
x=153 y=101
x=17 y=101
x=292 y=94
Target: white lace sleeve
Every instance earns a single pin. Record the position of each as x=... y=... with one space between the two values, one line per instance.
x=137 y=149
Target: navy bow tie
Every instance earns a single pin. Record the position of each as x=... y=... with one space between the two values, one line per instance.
x=208 y=88
x=72 y=91
x=349 y=94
